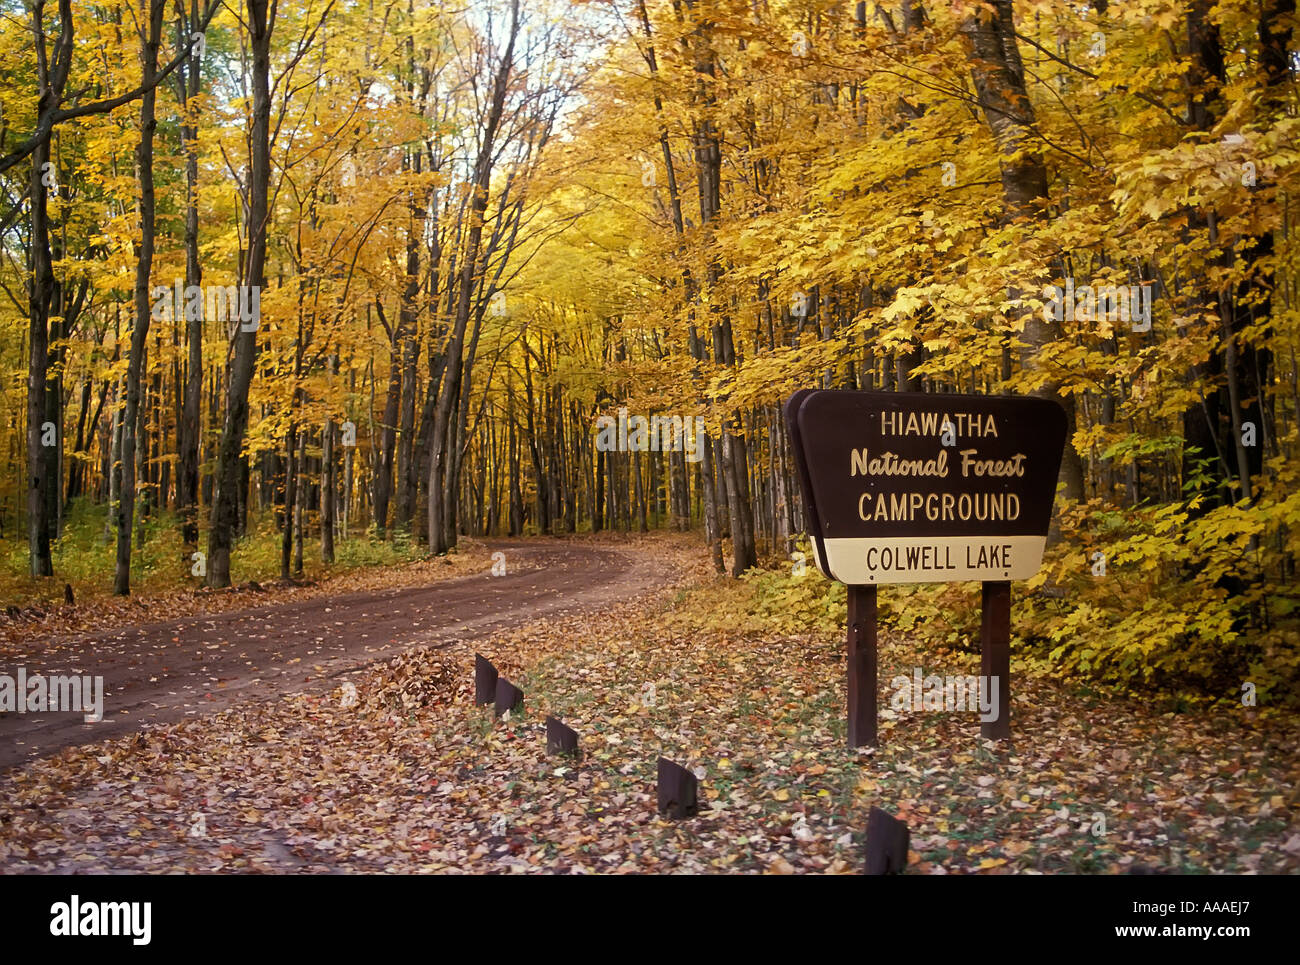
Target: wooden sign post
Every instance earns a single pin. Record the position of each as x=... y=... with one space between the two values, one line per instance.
x=995 y=653
x=862 y=666
x=909 y=487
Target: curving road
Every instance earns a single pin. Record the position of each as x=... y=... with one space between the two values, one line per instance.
x=165 y=671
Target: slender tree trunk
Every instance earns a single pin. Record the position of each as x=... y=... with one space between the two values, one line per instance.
x=290 y=498
x=712 y=529
x=115 y=461
x=76 y=473
x=187 y=466
x=327 y=493
x=516 y=490
x=534 y=451
x=133 y=416
x=231 y=468
x=348 y=470
x=300 y=470
x=639 y=493
x=40 y=295
x=383 y=485
x=52 y=455
x=407 y=482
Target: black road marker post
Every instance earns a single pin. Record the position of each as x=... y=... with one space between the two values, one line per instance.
x=887 y=842
x=862 y=666
x=995 y=655
x=509 y=697
x=485 y=680
x=561 y=739
x=677 y=791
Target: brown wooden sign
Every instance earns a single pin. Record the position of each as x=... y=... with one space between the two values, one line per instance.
x=906 y=487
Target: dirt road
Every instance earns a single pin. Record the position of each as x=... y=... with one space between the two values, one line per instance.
x=165 y=671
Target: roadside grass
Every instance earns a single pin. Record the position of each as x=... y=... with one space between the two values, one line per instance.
x=85 y=553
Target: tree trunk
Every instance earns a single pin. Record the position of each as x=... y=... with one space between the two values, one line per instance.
x=40 y=294
x=516 y=523
x=348 y=471
x=187 y=466
x=114 y=460
x=327 y=493
x=383 y=485
x=407 y=482
x=132 y=417
x=76 y=471
x=231 y=469
x=300 y=470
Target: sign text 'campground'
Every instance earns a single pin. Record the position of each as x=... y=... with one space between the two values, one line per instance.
x=920 y=488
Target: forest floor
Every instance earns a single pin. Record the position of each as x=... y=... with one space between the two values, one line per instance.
x=644 y=651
